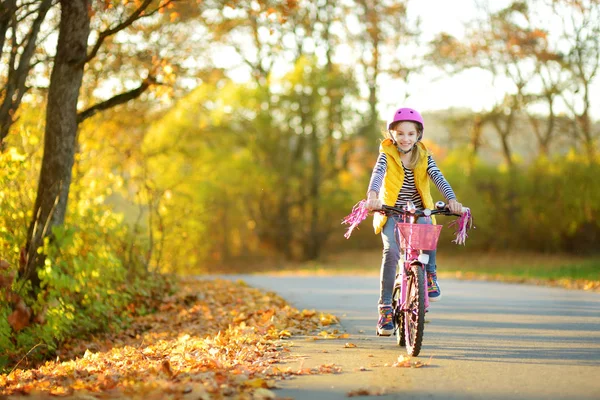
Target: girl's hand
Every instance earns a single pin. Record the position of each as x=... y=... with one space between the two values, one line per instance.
x=373 y=202
x=455 y=207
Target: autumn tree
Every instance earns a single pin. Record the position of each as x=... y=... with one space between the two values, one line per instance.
x=63 y=115
x=580 y=35
x=552 y=68
x=385 y=40
x=511 y=48
x=20 y=27
x=506 y=47
x=302 y=118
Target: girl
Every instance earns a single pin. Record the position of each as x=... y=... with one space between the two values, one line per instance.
x=402 y=173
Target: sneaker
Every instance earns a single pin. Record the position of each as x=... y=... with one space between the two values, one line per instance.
x=433 y=287
x=385 y=325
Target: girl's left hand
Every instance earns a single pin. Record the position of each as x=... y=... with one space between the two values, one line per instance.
x=455 y=206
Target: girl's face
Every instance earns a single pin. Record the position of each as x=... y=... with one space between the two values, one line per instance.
x=405 y=134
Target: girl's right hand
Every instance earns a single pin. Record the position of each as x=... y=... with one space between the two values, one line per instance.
x=373 y=204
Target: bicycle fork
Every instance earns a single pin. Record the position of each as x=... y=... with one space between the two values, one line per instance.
x=421 y=261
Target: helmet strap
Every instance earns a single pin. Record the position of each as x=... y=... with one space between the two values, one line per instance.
x=405 y=151
x=409 y=150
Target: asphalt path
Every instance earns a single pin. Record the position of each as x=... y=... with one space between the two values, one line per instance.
x=483 y=340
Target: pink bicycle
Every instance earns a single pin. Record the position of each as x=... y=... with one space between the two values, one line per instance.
x=410 y=299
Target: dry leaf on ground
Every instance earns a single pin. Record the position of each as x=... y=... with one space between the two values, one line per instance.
x=211 y=339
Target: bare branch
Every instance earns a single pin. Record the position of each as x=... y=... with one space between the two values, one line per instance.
x=116 y=100
x=137 y=14
x=8 y=8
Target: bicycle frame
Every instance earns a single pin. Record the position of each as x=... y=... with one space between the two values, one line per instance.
x=409 y=257
x=410 y=297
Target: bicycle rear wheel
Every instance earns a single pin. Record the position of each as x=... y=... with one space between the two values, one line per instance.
x=414 y=316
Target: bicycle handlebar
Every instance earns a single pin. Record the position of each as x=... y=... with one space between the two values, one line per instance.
x=421 y=213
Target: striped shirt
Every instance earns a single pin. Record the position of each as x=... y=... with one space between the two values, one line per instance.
x=409 y=190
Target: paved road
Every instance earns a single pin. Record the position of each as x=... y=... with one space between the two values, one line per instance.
x=483 y=340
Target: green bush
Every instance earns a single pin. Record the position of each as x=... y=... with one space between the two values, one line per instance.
x=548 y=205
x=88 y=281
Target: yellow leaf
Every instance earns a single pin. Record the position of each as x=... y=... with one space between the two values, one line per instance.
x=256 y=383
x=284 y=334
x=15 y=156
x=308 y=313
x=327 y=319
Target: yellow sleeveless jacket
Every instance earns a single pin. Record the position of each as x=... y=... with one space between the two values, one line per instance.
x=394 y=178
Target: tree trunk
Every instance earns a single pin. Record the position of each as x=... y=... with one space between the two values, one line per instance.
x=314 y=237
x=585 y=126
x=61 y=129
x=476 y=131
x=372 y=69
x=503 y=133
x=283 y=230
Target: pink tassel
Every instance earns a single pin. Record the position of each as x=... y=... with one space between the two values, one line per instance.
x=359 y=214
x=463 y=224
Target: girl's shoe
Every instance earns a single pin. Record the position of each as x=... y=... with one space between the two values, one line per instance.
x=385 y=325
x=433 y=287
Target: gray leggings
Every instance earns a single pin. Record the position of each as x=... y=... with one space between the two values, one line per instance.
x=391 y=255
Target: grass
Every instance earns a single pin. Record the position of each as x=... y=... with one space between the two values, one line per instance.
x=540 y=266
x=552 y=269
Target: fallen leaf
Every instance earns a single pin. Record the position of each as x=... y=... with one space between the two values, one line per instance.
x=256 y=383
x=19 y=318
x=366 y=392
x=153 y=359
x=285 y=334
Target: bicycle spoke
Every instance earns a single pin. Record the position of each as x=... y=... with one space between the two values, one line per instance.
x=414 y=311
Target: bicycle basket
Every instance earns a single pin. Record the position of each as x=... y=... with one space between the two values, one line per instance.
x=418 y=236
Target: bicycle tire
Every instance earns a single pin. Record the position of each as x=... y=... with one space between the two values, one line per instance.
x=398 y=317
x=414 y=316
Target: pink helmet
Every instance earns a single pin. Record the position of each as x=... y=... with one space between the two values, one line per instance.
x=406 y=114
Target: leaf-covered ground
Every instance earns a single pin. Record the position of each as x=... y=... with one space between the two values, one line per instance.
x=212 y=339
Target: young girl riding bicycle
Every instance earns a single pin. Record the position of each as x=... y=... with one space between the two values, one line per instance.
x=403 y=172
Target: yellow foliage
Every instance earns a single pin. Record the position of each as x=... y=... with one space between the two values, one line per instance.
x=14 y=155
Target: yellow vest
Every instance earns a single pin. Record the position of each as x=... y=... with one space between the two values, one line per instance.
x=394 y=178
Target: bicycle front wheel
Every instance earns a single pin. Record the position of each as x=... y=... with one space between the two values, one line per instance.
x=414 y=314
x=398 y=315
